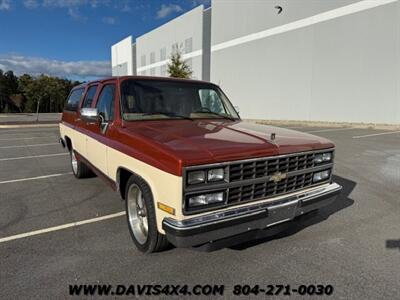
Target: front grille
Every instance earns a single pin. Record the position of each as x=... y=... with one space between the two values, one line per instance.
x=269 y=188
x=270 y=166
x=261 y=178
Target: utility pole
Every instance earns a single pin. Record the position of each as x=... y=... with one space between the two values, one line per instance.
x=37 y=110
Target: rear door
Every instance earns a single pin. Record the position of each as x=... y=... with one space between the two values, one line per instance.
x=71 y=119
x=98 y=134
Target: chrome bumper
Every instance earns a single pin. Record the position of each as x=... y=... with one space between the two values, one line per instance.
x=215 y=226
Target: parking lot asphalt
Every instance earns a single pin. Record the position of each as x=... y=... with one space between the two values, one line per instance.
x=26 y=118
x=353 y=244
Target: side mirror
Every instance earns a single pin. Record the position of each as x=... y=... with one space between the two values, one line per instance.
x=90 y=114
x=237 y=109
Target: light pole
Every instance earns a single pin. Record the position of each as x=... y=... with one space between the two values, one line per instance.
x=37 y=110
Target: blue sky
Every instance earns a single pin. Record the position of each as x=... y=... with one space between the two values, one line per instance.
x=72 y=38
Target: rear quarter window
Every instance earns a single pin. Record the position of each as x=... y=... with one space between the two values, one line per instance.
x=73 y=100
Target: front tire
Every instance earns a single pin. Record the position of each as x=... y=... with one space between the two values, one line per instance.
x=79 y=169
x=141 y=217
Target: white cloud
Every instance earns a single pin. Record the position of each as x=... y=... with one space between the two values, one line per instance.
x=73 y=6
x=166 y=10
x=75 y=14
x=5 y=4
x=74 y=3
x=63 y=3
x=109 y=20
x=37 y=65
x=31 y=4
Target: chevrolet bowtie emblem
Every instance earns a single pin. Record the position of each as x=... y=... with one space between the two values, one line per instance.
x=277 y=177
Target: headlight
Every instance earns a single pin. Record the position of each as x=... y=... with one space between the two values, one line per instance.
x=323 y=157
x=216 y=174
x=319 y=176
x=195 y=177
x=206 y=199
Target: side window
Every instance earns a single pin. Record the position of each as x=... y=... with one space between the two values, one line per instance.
x=89 y=96
x=105 y=104
x=73 y=100
x=210 y=100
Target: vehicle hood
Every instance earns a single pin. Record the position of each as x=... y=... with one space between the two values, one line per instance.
x=208 y=141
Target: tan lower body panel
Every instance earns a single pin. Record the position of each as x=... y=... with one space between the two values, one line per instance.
x=165 y=187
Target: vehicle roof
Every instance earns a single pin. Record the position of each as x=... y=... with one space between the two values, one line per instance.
x=149 y=78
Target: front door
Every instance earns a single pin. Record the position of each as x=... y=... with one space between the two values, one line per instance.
x=96 y=143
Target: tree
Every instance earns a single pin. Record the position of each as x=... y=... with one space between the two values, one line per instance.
x=23 y=93
x=178 y=68
x=50 y=92
x=8 y=87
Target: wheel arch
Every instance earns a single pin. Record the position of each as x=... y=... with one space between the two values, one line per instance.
x=123 y=175
x=68 y=142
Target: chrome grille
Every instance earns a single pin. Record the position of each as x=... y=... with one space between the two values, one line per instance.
x=267 y=167
x=269 y=188
x=261 y=178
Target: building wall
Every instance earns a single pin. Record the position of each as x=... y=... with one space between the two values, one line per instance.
x=122 y=58
x=343 y=64
x=206 y=66
x=154 y=49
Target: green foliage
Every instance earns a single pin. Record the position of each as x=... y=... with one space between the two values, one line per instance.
x=178 y=68
x=23 y=93
x=8 y=86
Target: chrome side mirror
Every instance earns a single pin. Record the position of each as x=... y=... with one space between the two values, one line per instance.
x=90 y=114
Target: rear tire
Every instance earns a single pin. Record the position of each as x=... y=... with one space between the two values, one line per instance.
x=79 y=169
x=140 y=213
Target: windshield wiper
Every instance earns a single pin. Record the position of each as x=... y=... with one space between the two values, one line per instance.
x=214 y=113
x=168 y=114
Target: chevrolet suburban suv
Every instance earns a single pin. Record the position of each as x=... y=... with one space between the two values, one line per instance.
x=190 y=171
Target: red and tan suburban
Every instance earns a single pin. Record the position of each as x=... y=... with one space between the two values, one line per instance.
x=190 y=170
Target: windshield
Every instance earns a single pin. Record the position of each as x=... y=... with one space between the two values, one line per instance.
x=150 y=99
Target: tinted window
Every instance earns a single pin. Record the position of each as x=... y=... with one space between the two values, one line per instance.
x=73 y=100
x=142 y=99
x=90 y=96
x=211 y=100
x=105 y=104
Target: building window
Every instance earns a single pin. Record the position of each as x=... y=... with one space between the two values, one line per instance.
x=143 y=60
x=163 y=54
x=152 y=57
x=152 y=71
x=163 y=70
x=188 y=45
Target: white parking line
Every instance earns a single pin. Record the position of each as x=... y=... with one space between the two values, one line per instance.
x=329 y=130
x=60 y=227
x=294 y=128
x=33 y=156
x=34 y=178
x=28 y=138
x=374 y=134
x=23 y=146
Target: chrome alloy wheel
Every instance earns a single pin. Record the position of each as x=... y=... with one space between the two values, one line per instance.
x=137 y=214
x=74 y=162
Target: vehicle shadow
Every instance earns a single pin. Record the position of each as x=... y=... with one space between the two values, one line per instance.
x=254 y=238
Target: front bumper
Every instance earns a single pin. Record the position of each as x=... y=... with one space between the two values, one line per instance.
x=216 y=226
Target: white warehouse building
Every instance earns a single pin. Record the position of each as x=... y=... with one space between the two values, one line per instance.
x=317 y=60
